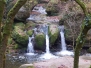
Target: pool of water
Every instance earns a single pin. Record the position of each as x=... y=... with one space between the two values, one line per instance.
x=15 y=60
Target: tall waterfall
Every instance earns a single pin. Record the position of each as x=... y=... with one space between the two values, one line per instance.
x=30 y=48
x=63 y=44
x=47 y=54
x=64 y=50
x=47 y=41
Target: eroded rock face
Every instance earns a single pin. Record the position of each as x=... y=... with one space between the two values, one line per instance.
x=24 y=11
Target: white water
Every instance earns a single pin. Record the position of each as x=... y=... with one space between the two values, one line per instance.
x=47 y=44
x=30 y=48
x=47 y=55
x=40 y=9
x=64 y=50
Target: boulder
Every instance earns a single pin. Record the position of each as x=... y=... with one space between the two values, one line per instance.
x=52 y=7
x=29 y=25
x=19 y=35
x=25 y=10
x=30 y=32
x=40 y=41
x=53 y=33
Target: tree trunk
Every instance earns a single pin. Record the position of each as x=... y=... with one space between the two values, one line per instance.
x=86 y=25
x=7 y=30
x=81 y=39
x=2 y=4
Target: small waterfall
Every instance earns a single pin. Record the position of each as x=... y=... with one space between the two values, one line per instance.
x=63 y=44
x=40 y=9
x=30 y=48
x=64 y=50
x=47 y=55
x=47 y=44
x=47 y=41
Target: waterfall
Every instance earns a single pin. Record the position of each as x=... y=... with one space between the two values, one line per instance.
x=30 y=48
x=47 y=44
x=64 y=50
x=63 y=44
x=47 y=54
x=47 y=41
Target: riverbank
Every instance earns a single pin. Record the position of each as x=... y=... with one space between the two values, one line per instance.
x=62 y=62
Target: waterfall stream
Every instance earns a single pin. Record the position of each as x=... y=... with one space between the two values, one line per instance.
x=47 y=54
x=63 y=44
x=30 y=48
x=64 y=50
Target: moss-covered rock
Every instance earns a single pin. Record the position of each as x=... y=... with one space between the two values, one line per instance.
x=40 y=41
x=20 y=25
x=89 y=50
x=53 y=33
x=29 y=25
x=19 y=35
x=52 y=7
x=30 y=32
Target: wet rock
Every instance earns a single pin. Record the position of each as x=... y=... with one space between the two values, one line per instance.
x=24 y=11
x=40 y=41
x=53 y=33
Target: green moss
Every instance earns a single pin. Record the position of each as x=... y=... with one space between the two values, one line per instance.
x=30 y=32
x=40 y=40
x=20 y=25
x=20 y=36
x=30 y=24
x=53 y=34
x=53 y=37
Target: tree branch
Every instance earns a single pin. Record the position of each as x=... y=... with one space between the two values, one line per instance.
x=82 y=6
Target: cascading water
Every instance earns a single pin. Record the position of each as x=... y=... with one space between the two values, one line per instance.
x=30 y=49
x=64 y=50
x=47 y=44
x=63 y=44
x=47 y=55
